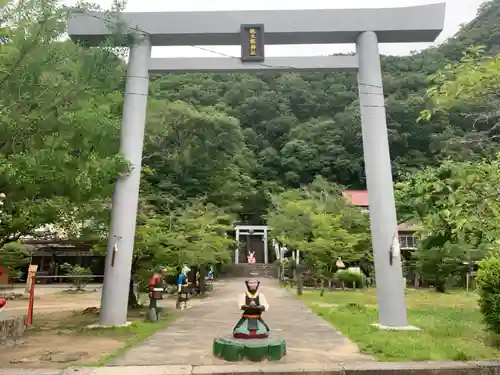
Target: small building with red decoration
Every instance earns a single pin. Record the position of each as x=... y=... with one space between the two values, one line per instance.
x=406 y=231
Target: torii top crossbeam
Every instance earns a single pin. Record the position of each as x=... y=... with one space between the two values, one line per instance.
x=320 y=26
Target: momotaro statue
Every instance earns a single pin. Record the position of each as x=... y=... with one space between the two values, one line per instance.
x=250 y=340
x=252 y=304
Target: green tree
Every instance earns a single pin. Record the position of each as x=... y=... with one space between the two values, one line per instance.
x=59 y=122
x=467 y=89
x=195 y=152
x=198 y=234
x=193 y=234
x=78 y=275
x=488 y=282
x=472 y=79
x=150 y=250
x=12 y=256
x=319 y=222
x=441 y=264
x=330 y=242
x=458 y=208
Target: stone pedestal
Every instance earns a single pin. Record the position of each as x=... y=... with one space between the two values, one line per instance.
x=11 y=328
x=255 y=350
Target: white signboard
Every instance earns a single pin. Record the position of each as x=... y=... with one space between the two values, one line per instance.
x=276 y=249
x=31 y=272
x=396 y=247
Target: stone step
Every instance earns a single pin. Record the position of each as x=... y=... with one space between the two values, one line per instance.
x=250 y=270
x=255 y=265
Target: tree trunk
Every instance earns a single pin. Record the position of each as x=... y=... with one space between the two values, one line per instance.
x=202 y=279
x=416 y=283
x=132 y=298
x=322 y=293
x=440 y=287
x=133 y=303
x=299 y=282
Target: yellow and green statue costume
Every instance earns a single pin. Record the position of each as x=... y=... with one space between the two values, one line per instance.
x=252 y=304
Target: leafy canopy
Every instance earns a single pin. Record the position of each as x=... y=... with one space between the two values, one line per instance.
x=458 y=208
x=59 y=121
x=319 y=222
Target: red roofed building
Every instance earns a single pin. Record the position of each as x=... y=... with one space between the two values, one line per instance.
x=357 y=197
x=406 y=231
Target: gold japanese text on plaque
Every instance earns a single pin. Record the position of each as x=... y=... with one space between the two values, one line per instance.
x=252 y=42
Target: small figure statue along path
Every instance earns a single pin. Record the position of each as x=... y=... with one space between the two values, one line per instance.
x=156 y=293
x=251 y=257
x=3 y=303
x=251 y=334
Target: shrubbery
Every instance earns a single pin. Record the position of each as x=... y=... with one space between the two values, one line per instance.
x=488 y=283
x=350 y=278
x=78 y=275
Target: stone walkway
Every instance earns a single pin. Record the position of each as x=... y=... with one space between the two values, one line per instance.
x=188 y=340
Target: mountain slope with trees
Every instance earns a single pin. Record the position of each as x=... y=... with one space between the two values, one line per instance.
x=296 y=126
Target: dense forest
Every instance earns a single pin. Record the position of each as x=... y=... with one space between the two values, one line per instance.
x=291 y=127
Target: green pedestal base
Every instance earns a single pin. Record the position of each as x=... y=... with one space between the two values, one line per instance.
x=256 y=350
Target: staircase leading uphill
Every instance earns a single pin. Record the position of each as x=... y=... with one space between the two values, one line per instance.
x=256 y=270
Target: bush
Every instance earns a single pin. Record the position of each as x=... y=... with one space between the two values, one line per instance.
x=440 y=265
x=488 y=283
x=15 y=256
x=78 y=275
x=350 y=278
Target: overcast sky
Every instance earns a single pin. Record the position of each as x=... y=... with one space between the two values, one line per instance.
x=457 y=13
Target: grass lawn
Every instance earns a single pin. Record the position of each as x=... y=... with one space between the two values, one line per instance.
x=451 y=324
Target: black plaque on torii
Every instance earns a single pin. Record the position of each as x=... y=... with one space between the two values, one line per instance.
x=252 y=42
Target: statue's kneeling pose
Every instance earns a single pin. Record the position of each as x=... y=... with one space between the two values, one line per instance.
x=250 y=339
x=252 y=304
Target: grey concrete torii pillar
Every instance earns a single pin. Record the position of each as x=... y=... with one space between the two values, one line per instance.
x=364 y=27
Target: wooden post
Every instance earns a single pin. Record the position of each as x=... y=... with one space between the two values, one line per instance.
x=29 y=319
x=201 y=281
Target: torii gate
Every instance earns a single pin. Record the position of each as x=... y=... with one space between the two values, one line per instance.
x=253 y=29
